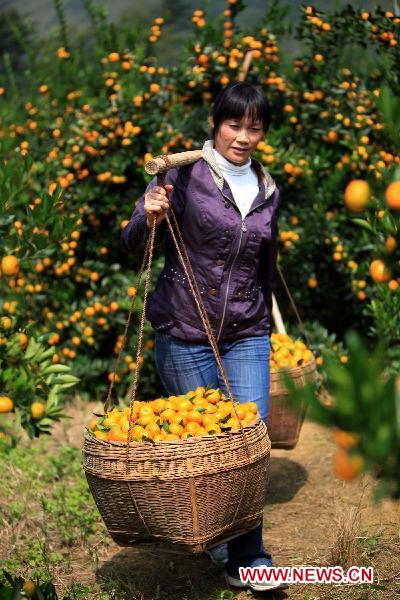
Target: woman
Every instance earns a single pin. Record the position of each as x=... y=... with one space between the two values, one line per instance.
x=226 y=207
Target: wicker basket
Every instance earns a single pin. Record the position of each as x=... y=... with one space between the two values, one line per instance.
x=194 y=493
x=283 y=423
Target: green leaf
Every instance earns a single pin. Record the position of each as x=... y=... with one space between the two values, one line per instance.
x=31 y=349
x=65 y=386
x=56 y=369
x=7 y=374
x=388 y=223
x=66 y=379
x=362 y=223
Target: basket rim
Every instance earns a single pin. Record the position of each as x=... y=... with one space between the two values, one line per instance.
x=191 y=440
x=311 y=364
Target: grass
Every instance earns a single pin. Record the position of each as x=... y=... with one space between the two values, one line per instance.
x=53 y=531
x=51 y=517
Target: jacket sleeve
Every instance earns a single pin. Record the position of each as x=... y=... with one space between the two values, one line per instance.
x=270 y=254
x=135 y=235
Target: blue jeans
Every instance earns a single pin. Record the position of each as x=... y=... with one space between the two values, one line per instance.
x=182 y=366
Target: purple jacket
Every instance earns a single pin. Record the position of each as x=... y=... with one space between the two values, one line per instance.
x=233 y=259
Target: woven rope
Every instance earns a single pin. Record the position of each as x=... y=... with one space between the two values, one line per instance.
x=107 y=402
x=292 y=302
x=133 y=389
x=187 y=267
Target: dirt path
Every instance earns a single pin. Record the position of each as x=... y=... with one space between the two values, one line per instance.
x=310 y=518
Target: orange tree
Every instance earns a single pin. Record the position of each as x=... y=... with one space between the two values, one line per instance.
x=32 y=382
x=364 y=410
x=87 y=116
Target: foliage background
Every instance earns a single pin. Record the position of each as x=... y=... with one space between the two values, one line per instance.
x=81 y=110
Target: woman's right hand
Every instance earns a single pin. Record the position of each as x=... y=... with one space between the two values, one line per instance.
x=156 y=204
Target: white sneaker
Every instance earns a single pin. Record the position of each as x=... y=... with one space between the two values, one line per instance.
x=218 y=555
x=257 y=587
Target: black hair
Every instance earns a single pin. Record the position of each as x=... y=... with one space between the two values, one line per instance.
x=237 y=99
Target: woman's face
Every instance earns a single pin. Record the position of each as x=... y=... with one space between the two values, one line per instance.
x=237 y=139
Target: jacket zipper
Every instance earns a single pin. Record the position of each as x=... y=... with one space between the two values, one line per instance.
x=243 y=229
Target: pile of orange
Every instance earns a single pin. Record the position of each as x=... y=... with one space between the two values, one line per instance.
x=197 y=413
x=286 y=352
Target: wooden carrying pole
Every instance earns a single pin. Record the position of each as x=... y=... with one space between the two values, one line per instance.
x=180 y=159
x=276 y=315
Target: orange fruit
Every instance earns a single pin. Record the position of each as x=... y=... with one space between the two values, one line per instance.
x=212 y=428
x=247 y=419
x=110 y=421
x=176 y=428
x=171 y=437
x=347 y=467
x=192 y=427
x=379 y=271
x=356 y=195
x=116 y=435
x=392 y=195
x=173 y=403
x=200 y=402
x=390 y=244
x=6 y=404
x=200 y=390
x=195 y=416
x=299 y=345
x=307 y=356
x=23 y=339
x=124 y=424
x=208 y=420
x=252 y=407
x=167 y=414
x=9 y=265
x=93 y=424
x=346 y=439
x=29 y=588
x=146 y=409
x=184 y=404
x=159 y=405
x=233 y=423
x=180 y=417
x=152 y=429
x=137 y=433
x=241 y=410
x=38 y=410
x=101 y=435
x=219 y=415
x=145 y=420
x=212 y=396
x=203 y=59
x=6 y=323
